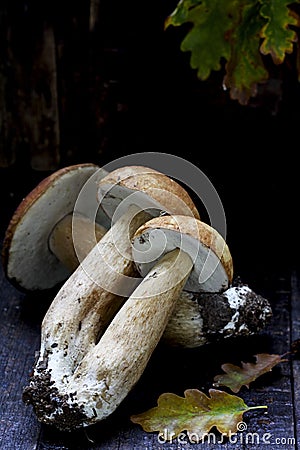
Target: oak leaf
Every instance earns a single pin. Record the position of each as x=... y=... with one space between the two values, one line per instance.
x=235 y=377
x=278 y=37
x=245 y=68
x=209 y=22
x=194 y=413
x=235 y=36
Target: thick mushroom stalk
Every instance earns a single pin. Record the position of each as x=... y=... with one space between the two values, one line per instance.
x=104 y=371
x=110 y=370
x=82 y=309
x=73 y=324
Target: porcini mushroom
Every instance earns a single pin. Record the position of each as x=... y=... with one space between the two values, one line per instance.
x=78 y=315
x=38 y=250
x=108 y=370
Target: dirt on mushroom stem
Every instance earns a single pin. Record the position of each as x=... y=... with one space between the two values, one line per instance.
x=202 y=318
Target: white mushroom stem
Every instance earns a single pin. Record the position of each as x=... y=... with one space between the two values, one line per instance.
x=110 y=370
x=62 y=237
x=85 y=304
x=74 y=386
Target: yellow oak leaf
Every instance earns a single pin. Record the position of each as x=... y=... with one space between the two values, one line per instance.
x=195 y=413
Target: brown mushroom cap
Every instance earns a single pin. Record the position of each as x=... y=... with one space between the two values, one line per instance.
x=145 y=187
x=27 y=260
x=213 y=267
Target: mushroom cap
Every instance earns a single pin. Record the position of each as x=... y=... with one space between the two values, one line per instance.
x=212 y=269
x=27 y=260
x=145 y=187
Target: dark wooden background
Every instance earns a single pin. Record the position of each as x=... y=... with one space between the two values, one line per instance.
x=95 y=79
x=91 y=81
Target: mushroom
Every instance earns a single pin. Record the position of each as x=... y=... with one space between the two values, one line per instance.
x=38 y=250
x=194 y=255
x=80 y=312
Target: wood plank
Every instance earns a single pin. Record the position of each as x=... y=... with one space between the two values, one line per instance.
x=295 y=335
x=94 y=14
x=19 y=340
x=29 y=118
x=8 y=125
x=275 y=389
x=72 y=34
x=42 y=118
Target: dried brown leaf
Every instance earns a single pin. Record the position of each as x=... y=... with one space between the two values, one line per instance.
x=235 y=376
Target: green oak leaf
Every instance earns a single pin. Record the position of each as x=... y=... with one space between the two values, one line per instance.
x=235 y=377
x=194 y=413
x=236 y=35
x=181 y=13
x=210 y=21
x=278 y=37
x=245 y=67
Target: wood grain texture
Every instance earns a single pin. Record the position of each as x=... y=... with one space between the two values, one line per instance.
x=28 y=88
x=295 y=335
x=19 y=340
